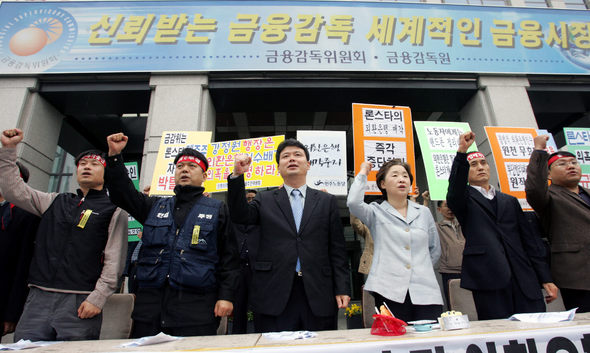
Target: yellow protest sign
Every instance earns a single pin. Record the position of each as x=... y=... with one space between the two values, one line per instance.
x=263 y=171
x=173 y=142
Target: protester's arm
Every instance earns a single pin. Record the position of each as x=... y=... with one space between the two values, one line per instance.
x=355 y=200
x=536 y=186
x=358 y=226
x=426 y=198
x=457 y=191
x=122 y=192
x=115 y=253
x=228 y=270
x=14 y=189
x=240 y=210
x=121 y=189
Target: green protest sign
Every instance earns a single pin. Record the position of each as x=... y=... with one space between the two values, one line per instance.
x=439 y=141
x=578 y=143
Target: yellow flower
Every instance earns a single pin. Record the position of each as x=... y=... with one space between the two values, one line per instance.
x=354 y=309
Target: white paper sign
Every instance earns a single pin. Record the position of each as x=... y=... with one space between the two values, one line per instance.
x=327 y=155
x=379 y=152
x=383 y=122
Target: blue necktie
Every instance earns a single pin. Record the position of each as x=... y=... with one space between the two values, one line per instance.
x=297 y=207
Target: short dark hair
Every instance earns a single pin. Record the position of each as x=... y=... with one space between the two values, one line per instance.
x=287 y=143
x=248 y=191
x=24 y=171
x=194 y=153
x=89 y=152
x=385 y=168
x=439 y=203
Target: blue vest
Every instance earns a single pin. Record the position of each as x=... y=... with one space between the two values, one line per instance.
x=187 y=256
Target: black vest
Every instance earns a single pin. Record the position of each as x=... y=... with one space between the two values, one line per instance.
x=67 y=255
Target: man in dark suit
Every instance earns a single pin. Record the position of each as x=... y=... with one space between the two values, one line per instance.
x=301 y=274
x=564 y=211
x=504 y=260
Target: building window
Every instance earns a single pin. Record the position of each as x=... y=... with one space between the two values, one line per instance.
x=477 y=2
x=62 y=171
x=575 y=4
x=536 y=3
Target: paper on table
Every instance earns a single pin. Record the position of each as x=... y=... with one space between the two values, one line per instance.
x=146 y=341
x=289 y=335
x=24 y=344
x=545 y=317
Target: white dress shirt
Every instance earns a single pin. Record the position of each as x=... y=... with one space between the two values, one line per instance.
x=488 y=194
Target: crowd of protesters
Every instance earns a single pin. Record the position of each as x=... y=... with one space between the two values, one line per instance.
x=280 y=253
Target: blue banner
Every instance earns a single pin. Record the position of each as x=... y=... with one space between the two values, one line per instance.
x=152 y=36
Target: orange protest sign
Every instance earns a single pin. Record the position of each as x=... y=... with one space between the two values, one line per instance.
x=382 y=132
x=512 y=148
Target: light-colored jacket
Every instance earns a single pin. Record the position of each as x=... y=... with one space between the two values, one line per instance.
x=405 y=248
x=367 y=256
x=452 y=243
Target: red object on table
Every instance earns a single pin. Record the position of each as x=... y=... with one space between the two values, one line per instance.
x=384 y=325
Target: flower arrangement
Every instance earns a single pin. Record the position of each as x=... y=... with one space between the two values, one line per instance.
x=352 y=310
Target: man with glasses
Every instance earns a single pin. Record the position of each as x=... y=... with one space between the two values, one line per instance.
x=564 y=210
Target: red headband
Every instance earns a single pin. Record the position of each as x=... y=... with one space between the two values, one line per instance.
x=558 y=156
x=97 y=157
x=193 y=159
x=475 y=155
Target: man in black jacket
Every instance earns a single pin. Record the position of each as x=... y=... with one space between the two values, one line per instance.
x=504 y=260
x=17 y=234
x=247 y=237
x=188 y=264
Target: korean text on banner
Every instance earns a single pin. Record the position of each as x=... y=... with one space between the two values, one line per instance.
x=327 y=156
x=249 y=35
x=512 y=148
x=381 y=133
x=578 y=143
x=263 y=171
x=173 y=142
x=133 y=226
x=439 y=141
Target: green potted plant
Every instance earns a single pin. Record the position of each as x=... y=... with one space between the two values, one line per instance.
x=354 y=317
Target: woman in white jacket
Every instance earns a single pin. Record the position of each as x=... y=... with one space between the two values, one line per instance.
x=406 y=244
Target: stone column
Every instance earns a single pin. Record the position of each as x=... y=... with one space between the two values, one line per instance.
x=180 y=103
x=40 y=121
x=500 y=101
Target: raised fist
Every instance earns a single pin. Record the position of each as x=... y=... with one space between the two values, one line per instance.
x=11 y=138
x=366 y=168
x=465 y=141
x=541 y=142
x=117 y=143
x=241 y=164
